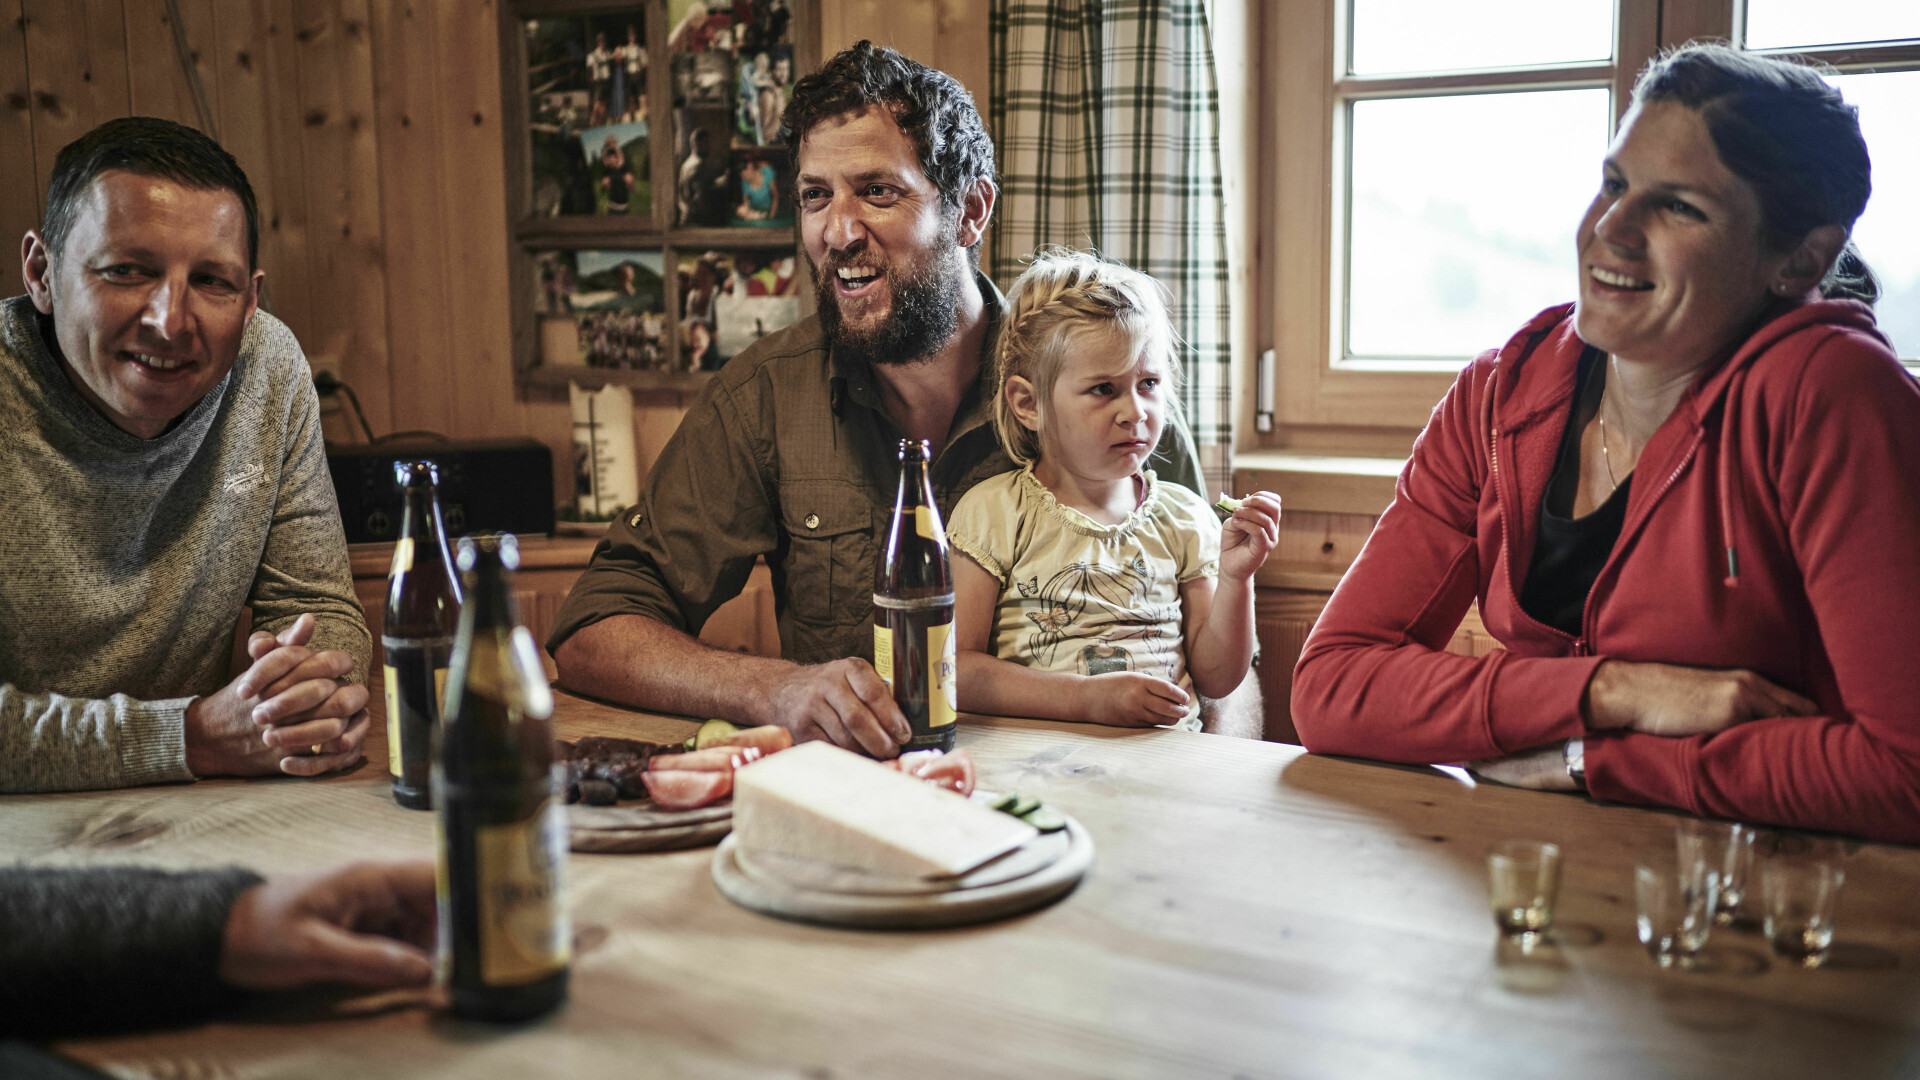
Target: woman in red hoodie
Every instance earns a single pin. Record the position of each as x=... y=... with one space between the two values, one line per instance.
x=1688 y=505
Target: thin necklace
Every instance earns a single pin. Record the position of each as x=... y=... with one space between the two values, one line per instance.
x=1606 y=457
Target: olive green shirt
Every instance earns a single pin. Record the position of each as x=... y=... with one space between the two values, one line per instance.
x=789 y=454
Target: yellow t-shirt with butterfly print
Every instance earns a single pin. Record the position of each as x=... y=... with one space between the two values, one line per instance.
x=1082 y=597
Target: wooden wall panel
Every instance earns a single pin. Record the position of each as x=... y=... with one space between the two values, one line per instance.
x=348 y=288
x=19 y=185
x=156 y=84
x=77 y=59
x=258 y=113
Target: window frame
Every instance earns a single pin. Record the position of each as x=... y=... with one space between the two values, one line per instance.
x=1320 y=397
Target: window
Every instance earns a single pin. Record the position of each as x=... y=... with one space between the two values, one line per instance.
x=1432 y=158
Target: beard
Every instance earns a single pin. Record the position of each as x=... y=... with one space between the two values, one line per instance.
x=924 y=315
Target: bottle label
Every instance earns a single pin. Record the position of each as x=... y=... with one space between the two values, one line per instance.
x=883 y=654
x=524 y=934
x=402 y=557
x=393 y=720
x=942 y=699
x=926 y=522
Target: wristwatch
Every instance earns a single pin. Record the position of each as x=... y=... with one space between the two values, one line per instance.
x=1575 y=754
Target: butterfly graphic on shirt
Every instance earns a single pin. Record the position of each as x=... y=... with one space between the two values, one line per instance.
x=1118 y=596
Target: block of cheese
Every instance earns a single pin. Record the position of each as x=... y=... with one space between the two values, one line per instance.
x=817 y=801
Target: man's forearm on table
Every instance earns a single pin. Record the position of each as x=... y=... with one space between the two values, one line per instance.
x=645 y=663
x=52 y=742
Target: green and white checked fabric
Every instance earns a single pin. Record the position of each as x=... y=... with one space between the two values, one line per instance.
x=1107 y=119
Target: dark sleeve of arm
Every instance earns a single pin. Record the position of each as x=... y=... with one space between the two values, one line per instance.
x=111 y=948
x=1373 y=680
x=705 y=514
x=1846 y=474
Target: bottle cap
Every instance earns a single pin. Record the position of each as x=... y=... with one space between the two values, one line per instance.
x=489 y=549
x=409 y=473
x=916 y=450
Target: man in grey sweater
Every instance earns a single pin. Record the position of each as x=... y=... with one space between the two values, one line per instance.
x=162 y=468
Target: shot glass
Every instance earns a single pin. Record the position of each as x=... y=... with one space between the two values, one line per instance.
x=1728 y=848
x=1523 y=880
x=1799 y=893
x=1675 y=908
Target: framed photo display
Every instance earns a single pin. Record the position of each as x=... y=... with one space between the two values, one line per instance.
x=650 y=184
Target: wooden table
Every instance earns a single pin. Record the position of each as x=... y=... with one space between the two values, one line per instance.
x=1253 y=911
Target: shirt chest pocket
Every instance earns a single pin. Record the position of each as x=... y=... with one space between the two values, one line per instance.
x=830 y=559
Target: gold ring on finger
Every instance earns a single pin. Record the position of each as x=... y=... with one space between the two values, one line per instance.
x=316 y=750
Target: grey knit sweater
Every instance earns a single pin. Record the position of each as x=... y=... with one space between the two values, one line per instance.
x=125 y=562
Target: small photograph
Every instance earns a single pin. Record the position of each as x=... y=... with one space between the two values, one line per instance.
x=705 y=188
x=601 y=308
x=584 y=73
x=718 y=26
x=702 y=79
x=761 y=92
x=762 y=187
x=729 y=300
x=616 y=158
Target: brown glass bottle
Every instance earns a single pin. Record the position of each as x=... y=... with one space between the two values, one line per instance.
x=423 y=609
x=913 y=607
x=505 y=944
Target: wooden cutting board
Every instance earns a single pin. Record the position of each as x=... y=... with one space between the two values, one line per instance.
x=1033 y=875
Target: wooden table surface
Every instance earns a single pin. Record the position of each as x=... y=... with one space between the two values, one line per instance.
x=1252 y=911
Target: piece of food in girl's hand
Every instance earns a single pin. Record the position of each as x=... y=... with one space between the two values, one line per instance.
x=1226 y=505
x=685 y=789
x=952 y=769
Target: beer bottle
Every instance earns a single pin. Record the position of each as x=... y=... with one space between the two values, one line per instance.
x=423 y=607
x=913 y=607
x=504 y=938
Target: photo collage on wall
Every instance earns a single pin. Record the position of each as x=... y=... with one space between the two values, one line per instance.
x=729 y=300
x=733 y=71
x=603 y=309
x=587 y=114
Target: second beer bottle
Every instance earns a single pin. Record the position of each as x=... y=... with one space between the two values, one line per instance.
x=423 y=609
x=913 y=646
x=505 y=945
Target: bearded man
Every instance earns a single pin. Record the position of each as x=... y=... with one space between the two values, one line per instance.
x=790 y=452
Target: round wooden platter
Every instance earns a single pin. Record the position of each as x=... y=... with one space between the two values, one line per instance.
x=642 y=826
x=1033 y=875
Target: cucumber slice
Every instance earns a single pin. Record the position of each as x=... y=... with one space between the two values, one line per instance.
x=1022 y=806
x=713 y=733
x=1006 y=802
x=1044 y=818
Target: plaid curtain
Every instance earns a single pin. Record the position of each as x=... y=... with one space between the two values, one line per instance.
x=1108 y=127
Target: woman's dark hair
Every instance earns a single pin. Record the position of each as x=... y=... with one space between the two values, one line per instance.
x=930 y=106
x=1784 y=130
x=145 y=146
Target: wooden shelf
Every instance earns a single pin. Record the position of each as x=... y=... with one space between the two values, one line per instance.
x=637 y=232
x=593 y=378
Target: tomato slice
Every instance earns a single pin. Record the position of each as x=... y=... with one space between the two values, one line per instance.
x=769 y=738
x=684 y=789
x=953 y=771
x=712 y=759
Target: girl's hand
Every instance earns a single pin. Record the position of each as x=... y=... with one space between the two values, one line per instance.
x=1130 y=699
x=1249 y=535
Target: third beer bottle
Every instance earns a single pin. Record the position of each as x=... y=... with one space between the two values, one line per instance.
x=913 y=646
x=504 y=940
x=423 y=609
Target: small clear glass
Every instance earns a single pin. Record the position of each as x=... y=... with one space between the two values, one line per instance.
x=1675 y=905
x=1523 y=881
x=1800 y=893
x=1727 y=848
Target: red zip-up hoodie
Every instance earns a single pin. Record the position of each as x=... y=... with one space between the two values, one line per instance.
x=1773 y=525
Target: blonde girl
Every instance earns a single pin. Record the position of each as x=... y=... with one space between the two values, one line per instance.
x=1084 y=588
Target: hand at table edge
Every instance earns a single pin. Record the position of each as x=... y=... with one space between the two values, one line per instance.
x=366 y=924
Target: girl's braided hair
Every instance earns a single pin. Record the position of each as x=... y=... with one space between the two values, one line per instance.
x=1064 y=294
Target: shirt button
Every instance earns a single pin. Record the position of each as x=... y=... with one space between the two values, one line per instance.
x=813 y=521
